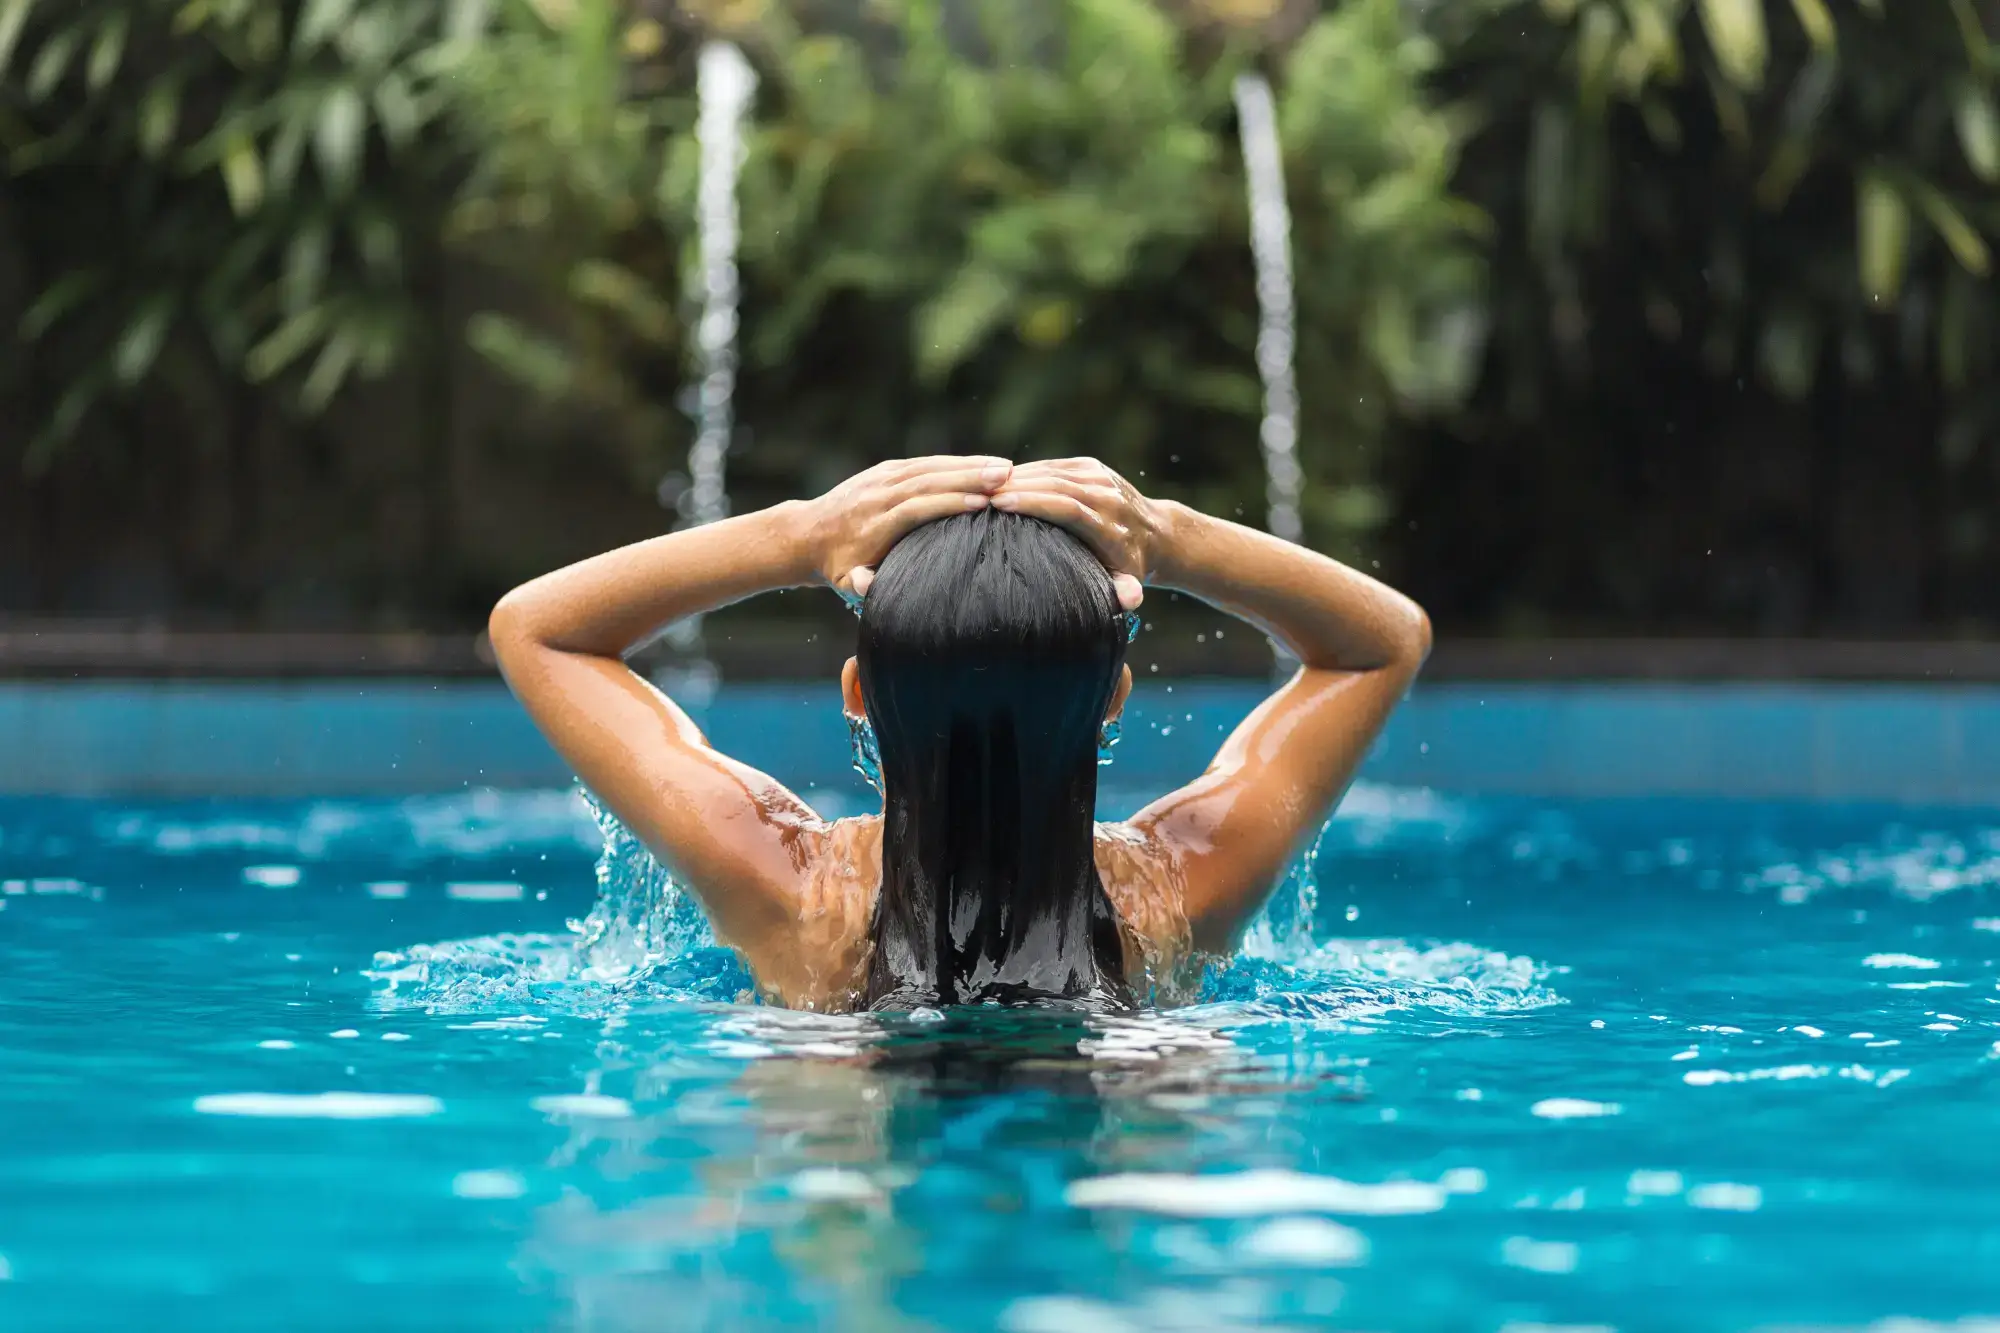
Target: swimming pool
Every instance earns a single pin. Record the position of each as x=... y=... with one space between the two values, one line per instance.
x=1644 y=1064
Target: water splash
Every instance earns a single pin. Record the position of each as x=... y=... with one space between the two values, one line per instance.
x=643 y=917
x=1277 y=336
x=646 y=939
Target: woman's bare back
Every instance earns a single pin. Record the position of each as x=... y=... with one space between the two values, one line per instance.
x=824 y=965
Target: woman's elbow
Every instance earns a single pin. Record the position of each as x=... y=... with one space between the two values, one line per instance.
x=1420 y=633
x=1412 y=638
x=510 y=627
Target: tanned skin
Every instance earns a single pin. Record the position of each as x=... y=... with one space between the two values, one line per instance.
x=795 y=893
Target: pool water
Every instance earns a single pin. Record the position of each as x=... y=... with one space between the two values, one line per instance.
x=1486 y=1065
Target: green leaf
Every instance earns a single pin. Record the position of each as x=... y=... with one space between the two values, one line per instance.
x=1970 y=31
x=1817 y=22
x=617 y=288
x=379 y=242
x=46 y=74
x=329 y=372
x=1788 y=351
x=107 y=52
x=338 y=138
x=242 y=173
x=541 y=365
x=396 y=110
x=466 y=20
x=1548 y=179
x=1979 y=131
x=381 y=343
x=1736 y=34
x=71 y=408
x=306 y=263
x=320 y=20
x=159 y=117
x=1967 y=245
x=270 y=357
x=951 y=326
x=1882 y=229
x=288 y=149
x=13 y=18
x=139 y=346
x=62 y=296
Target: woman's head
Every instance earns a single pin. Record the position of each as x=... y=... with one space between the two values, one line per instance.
x=992 y=651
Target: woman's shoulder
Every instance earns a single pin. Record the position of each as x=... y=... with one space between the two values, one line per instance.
x=1147 y=890
x=824 y=959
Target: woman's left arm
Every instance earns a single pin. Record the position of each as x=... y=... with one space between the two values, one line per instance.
x=738 y=838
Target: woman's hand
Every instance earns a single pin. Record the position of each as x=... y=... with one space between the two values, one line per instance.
x=852 y=526
x=1100 y=507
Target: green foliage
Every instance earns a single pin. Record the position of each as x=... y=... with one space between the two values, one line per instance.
x=997 y=224
x=222 y=191
x=1821 y=162
x=571 y=194
x=1742 y=297
x=994 y=226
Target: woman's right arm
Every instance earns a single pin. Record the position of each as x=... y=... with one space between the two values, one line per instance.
x=741 y=840
x=1234 y=830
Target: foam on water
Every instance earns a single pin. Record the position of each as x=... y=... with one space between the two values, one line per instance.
x=465 y=824
x=1254 y=1194
x=319 y=1105
x=1918 y=865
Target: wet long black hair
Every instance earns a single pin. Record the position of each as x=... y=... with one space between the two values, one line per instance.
x=991 y=647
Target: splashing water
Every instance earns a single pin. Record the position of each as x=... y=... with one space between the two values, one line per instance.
x=643 y=918
x=1271 y=247
x=646 y=938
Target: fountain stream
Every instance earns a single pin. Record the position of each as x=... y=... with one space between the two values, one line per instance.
x=1277 y=314
x=725 y=84
x=1271 y=248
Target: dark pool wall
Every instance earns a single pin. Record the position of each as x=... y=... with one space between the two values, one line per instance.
x=1913 y=744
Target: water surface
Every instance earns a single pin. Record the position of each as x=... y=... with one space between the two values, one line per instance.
x=1487 y=1064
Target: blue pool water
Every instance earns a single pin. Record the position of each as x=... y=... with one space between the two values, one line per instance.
x=1489 y=1064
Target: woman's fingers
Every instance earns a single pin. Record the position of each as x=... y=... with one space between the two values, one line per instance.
x=1070 y=512
x=1105 y=539
x=909 y=469
x=927 y=508
x=1053 y=506
x=861 y=580
x=971 y=476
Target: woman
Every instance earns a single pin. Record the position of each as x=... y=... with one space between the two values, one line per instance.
x=993 y=605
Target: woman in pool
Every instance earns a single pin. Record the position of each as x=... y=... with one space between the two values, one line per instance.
x=994 y=609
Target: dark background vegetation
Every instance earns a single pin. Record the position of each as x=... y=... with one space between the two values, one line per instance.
x=1616 y=316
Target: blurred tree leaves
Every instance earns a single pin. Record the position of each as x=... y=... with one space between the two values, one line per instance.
x=1741 y=285
x=991 y=225
x=228 y=189
x=1717 y=134
x=1020 y=225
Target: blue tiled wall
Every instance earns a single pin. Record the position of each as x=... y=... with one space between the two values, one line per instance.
x=1846 y=742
